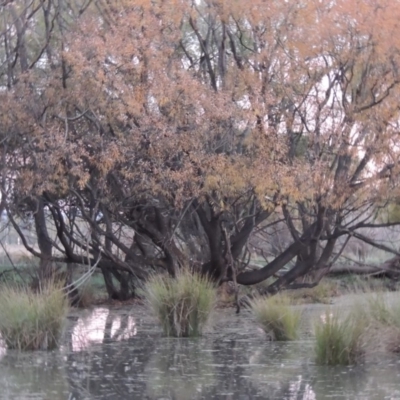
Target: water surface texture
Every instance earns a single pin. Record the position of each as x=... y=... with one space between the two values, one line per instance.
x=121 y=354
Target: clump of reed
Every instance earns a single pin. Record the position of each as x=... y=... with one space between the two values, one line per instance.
x=183 y=305
x=277 y=316
x=340 y=341
x=32 y=320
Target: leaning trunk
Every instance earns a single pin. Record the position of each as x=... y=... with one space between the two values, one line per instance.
x=46 y=268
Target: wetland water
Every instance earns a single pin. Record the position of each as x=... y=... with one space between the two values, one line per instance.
x=121 y=354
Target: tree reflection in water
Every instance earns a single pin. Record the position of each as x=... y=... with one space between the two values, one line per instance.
x=101 y=325
x=180 y=369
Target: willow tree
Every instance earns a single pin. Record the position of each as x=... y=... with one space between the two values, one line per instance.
x=167 y=133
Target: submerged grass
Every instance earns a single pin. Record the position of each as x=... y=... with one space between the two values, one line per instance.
x=277 y=317
x=32 y=320
x=183 y=305
x=340 y=341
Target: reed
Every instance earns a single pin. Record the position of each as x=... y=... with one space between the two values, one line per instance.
x=277 y=317
x=340 y=341
x=32 y=320
x=183 y=305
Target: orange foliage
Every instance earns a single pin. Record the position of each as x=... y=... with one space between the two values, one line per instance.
x=291 y=101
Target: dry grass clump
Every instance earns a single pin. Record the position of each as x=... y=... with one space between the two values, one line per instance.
x=277 y=317
x=340 y=341
x=32 y=320
x=183 y=305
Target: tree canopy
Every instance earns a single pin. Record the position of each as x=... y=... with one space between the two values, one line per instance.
x=152 y=135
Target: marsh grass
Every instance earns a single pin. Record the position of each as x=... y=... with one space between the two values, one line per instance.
x=182 y=305
x=32 y=320
x=277 y=317
x=340 y=341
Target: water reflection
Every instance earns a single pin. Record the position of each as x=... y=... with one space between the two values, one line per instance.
x=36 y=375
x=3 y=350
x=121 y=354
x=101 y=325
x=282 y=370
x=180 y=369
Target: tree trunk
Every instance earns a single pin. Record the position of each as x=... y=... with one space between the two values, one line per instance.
x=46 y=268
x=110 y=287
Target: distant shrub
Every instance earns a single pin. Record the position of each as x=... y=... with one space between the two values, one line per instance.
x=277 y=317
x=183 y=304
x=32 y=320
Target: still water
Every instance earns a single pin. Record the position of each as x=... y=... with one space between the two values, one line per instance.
x=111 y=353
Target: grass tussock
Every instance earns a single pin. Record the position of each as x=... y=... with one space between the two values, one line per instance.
x=340 y=341
x=32 y=320
x=183 y=305
x=277 y=317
